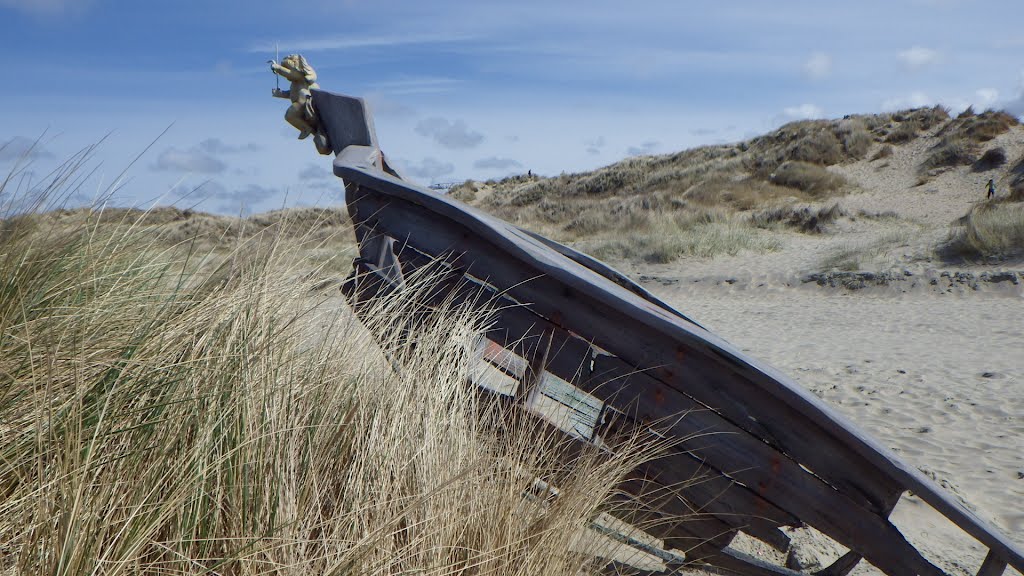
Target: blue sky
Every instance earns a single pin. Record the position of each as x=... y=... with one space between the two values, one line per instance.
x=465 y=89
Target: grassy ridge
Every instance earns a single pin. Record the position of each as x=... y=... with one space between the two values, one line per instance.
x=731 y=198
x=168 y=412
x=693 y=203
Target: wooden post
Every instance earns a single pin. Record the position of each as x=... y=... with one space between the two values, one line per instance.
x=534 y=376
x=993 y=565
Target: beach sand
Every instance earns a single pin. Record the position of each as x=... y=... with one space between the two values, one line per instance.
x=925 y=357
x=937 y=378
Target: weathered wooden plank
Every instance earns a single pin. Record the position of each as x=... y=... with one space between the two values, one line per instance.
x=365 y=285
x=671 y=349
x=710 y=492
x=534 y=375
x=727 y=560
x=348 y=122
x=705 y=490
x=699 y=493
x=993 y=565
x=677 y=501
x=503 y=358
x=605 y=524
x=777 y=478
x=757 y=376
x=705 y=487
x=609 y=273
x=880 y=542
x=572 y=359
x=842 y=566
x=740 y=563
x=784 y=482
x=709 y=495
x=651 y=506
x=687 y=488
x=664 y=513
x=847 y=562
x=667 y=490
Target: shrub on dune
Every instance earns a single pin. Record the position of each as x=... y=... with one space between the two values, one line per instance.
x=991 y=231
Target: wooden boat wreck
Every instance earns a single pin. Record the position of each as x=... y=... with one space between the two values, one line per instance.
x=778 y=456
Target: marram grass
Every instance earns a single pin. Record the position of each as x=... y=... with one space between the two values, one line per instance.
x=166 y=413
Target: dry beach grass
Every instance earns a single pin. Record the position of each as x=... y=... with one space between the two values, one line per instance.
x=185 y=393
x=181 y=401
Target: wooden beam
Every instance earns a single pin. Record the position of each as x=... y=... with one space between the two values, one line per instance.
x=666 y=515
x=842 y=566
x=993 y=565
x=471 y=226
x=570 y=358
x=738 y=562
x=609 y=273
x=730 y=450
x=674 y=491
x=678 y=352
x=534 y=375
x=736 y=453
x=652 y=507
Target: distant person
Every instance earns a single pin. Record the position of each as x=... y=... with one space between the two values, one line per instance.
x=991 y=189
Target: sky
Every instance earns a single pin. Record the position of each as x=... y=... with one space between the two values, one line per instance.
x=177 y=93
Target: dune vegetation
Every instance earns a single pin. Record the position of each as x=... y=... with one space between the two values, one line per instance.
x=992 y=231
x=696 y=203
x=176 y=403
x=751 y=196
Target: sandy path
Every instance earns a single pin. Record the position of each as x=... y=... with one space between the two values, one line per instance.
x=939 y=379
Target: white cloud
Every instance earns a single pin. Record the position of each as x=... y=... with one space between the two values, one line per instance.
x=314 y=172
x=496 y=163
x=429 y=168
x=647 y=148
x=981 y=99
x=217 y=146
x=424 y=85
x=453 y=135
x=595 y=145
x=703 y=131
x=818 y=66
x=986 y=97
x=202 y=191
x=913 y=100
x=46 y=7
x=233 y=200
x=918 y=57
x=192 y=160
x=247 y=196
x=19 y=148
x=803 y=112
x=350 y=42
x=201 y=158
